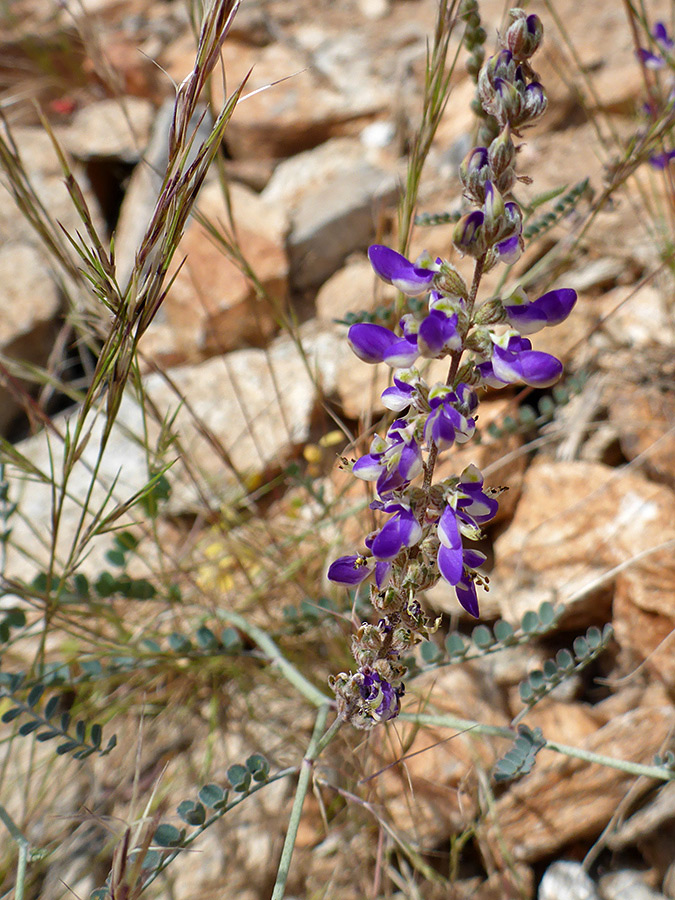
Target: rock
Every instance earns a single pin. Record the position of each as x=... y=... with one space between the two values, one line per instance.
x=45 y=174
x=626 y=885
x=257 y=405
x=643 y=416
x=441 y=772
x=124 y=467
x=566 y=880
x=117 y=128
x=287 y=105
x=352 y=289
x=638 y=316
x=29 y=303
x=212 y=307
x=565 y=799
x=576 y=521
x=333 y=195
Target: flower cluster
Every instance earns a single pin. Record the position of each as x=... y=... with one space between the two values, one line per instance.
x=428 y=529
x=661 y=60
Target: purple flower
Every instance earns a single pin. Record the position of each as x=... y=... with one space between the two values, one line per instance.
x=450 y=563
x=393 y=461
x=445 y=424
x=402 y=530
x=438 y=335
x=474 y=506
x=375 y=344
x=382 y=698
x=661 y=160
x=518 y=363
x=653 y=60
x=395 y=269
x=351 y=571
x=469 y=508
x=551 y=308
x=468 y=235
x=399 y=396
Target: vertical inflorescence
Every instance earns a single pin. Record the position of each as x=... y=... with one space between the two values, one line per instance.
x=429 y=527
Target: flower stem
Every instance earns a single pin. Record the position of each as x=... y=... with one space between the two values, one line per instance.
x=447 y=721
x=23 y=845
x=316 y=744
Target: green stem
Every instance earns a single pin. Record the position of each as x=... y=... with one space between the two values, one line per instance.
x=23 y=852
x=267 y=645
x=633 y=768
x=300 y=794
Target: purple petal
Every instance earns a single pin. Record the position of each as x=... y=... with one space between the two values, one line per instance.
x=550 y=309
x=382 y=573
x=529 y=366
x=448 y=532
x=399 y=396
x=661 y=160
x=466 y=594
x=473 y=559
x=510 y=249
x=387 y=544
x=410 y=464
x=450 y=564
x=402 y=354
x=368 y=467
x=397 y=270
x=349 y=570
x=370 y=342
x=649 y=59
x=661 y=35
x=438 y=334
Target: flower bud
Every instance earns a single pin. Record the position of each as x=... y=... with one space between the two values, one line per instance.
x=493 y=210
x=524 y=35
x=469 y=236
x=450 y=283
x=474 y=172
x=534 y=101
x=491 y=312
x=501 y=153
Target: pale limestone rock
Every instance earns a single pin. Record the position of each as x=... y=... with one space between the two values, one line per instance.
x=257 y=403
x=353 y=288
x=574 y=524
x=287 y=105
x=145 y=183
x=334 y=195
x=637 y=316
x=627 y=884
x=29 y=306
x=117 y=128
x=566 y=880
x=123 y=465
x=212 y=307
x=42 y=166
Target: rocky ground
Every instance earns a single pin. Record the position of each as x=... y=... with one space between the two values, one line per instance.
x=314 y=166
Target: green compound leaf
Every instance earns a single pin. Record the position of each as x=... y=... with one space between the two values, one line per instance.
x=482 y=637
x=258 y=766
x=168 y=835
x=212 y=795
x=504 y=633
x=191 y=812
x=430 y=652
x=239 y=777
x=540 y=683
x=520 y=759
